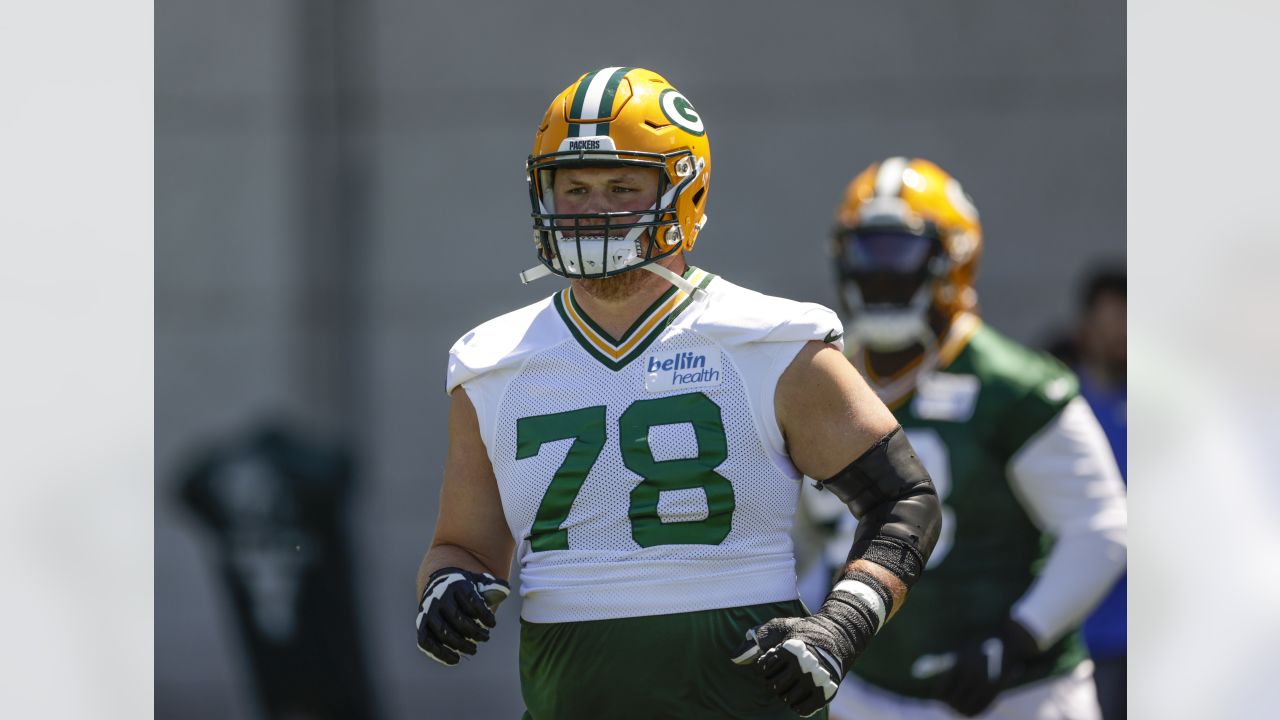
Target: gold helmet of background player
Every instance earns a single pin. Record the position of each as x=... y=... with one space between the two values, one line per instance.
x=609 y=117
x=906 y=242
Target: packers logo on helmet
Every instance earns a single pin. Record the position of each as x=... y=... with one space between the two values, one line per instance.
x=680 y=111
x=906 y=243
x=619 y=116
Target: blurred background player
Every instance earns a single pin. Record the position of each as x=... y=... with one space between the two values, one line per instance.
x=636 y=442
x=1097 y=351
x=1034 y=514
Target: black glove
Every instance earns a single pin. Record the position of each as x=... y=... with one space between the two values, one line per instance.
x=804 y=658
x=456 y=612
x=983 y=669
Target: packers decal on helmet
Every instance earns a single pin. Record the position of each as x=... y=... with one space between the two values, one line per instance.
x=680 y=111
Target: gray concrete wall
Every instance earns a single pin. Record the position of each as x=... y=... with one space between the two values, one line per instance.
x=1025 y=103
x=226 y=260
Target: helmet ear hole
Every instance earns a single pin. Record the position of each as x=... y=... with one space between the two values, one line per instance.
x=697 y=197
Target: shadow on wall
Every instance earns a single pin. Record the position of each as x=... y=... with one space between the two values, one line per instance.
x=274 y=505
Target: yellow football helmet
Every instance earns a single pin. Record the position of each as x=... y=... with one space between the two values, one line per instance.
x=619 y=116
x=906 y=242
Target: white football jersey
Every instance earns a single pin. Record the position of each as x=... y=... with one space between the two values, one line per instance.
x=646 y=475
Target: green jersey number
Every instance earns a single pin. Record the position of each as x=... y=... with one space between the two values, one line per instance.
x=933 y=454
x=587 y=428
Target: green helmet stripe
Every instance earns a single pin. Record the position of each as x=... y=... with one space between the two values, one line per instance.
x=606 y=100
x=579 y=97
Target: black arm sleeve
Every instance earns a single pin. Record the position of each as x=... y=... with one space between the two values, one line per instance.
x=898 y=512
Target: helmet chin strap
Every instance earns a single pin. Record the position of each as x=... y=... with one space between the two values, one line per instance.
x=535 y=272
x=674 y=279
x=540 y=270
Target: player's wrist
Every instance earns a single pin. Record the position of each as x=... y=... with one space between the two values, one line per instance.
x=858 y=605
x=898 y=557
x=455 y=570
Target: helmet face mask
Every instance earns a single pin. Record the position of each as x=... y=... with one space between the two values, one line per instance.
x=905 y=250
x=888 y=265
x=886 y=277
x=619 y=117
x=602 y=244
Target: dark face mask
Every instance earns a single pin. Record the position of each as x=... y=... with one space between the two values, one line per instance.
x=887 y=265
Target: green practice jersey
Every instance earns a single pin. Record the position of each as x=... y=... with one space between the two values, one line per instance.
x=965 y=421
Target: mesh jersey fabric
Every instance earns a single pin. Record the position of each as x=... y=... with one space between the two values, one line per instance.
x=662 y=488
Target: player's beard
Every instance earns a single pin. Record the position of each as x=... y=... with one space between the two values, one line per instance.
x=616 y=288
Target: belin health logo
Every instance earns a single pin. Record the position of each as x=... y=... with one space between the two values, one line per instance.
x=682 y=369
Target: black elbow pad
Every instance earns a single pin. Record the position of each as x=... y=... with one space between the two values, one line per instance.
x=898 y=512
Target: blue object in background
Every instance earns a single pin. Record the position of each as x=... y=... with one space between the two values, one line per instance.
x=1105 y=630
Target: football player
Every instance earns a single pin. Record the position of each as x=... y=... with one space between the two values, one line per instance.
x=636 y=442
x=1034 y=513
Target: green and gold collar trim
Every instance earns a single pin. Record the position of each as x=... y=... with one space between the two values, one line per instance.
x=616 y=354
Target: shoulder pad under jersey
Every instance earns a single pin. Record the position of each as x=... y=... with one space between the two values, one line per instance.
x=503 y=342
x=735 y=315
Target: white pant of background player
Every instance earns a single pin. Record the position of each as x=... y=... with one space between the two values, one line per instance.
x=1068 y=697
